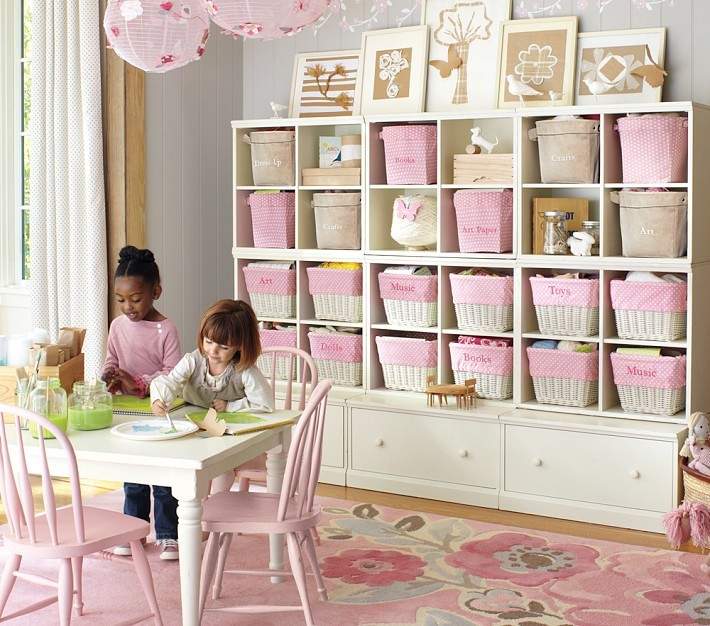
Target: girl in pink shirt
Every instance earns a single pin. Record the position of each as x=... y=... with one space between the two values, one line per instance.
x=142 y=344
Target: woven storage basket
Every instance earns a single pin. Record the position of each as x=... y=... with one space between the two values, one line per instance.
x=272 y=338
x=409 y=300
x=410 y=154
x=564 y=378
x=566 y=306
x=337 y=294
x=406 y=363
x=483 y=303
x=649 y=310
x=272 y=292
x=337 y=357
x=491 y=366
x=695 y=485
x=649 y=384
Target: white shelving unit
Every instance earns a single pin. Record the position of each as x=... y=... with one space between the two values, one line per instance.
x=379 y=250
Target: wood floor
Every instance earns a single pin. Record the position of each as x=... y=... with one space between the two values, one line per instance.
x=448 y=509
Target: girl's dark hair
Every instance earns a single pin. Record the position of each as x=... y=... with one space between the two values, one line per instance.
x=232 y=323
x=140 y=263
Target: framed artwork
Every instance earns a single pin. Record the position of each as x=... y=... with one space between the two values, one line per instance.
x=325 y=84
x=394 y=70
x=536 y=66
x=464 y=39
x=620 y=66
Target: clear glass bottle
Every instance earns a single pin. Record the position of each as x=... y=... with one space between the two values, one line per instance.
x=90 y=406
x=592 y=228
x=50 y=400
x=555 y=241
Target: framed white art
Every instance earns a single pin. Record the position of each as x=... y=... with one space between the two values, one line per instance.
x=325 y=84
x=393 y=69
x=464 y=42
x=618 y=66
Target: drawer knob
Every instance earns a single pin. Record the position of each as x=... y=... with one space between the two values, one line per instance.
x=635 y=474
x=463 y=453
x=537 y=461
x=379 y=442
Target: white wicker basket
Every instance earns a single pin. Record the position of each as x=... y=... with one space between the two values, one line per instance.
x=574 y=321
x=338 y=307
x=407 y=377
x=565 y=391
x=410 y=313
x=637 y=399
x=487 y=317
x=341 y=373
x=264 y=364
x=272 y=305
x=651 y=325
x=488 y=386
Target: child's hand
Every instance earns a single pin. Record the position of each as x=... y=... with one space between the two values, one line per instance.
x=159 y=408
x=219 y=405
x=128 y=384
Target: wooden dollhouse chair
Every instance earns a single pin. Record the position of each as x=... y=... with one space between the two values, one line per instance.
x=66 y=534
x=292 y=512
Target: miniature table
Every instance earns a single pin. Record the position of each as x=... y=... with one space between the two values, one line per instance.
x=465 y=394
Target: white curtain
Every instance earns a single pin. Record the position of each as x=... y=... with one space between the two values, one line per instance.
x=67 y=203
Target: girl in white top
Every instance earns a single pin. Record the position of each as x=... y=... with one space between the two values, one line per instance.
x=222 y=372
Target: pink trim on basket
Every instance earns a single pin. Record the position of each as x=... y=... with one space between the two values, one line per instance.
x=271 y=338
x=280 y=282
x=405 y=351
x=332 y=281
x=661 y=372
x=484 y=220
x=482 y=359
x=495 y=290
x=404 y=287
x=649 y=296
x=582 y=292
x=332 y=347
x=546 y=363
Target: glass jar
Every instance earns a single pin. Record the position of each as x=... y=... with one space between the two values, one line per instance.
x=50 y=400
x=90 y=406
x=591 y=227
x=555 y=241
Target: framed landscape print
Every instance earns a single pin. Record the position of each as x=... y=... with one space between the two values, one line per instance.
x=464 y=40
x=620 y=66
x=394 y=70
x=325 y=84
x=536 y=65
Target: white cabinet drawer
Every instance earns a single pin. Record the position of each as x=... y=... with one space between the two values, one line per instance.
x=425 y=447
x=333 y=437
x=589 y=467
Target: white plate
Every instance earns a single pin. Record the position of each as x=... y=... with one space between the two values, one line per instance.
x=153 y=430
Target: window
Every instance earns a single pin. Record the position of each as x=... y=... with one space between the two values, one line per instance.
x=23 y=221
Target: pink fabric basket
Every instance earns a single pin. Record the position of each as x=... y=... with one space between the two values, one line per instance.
x=407 y=287
x=272 y=337
x=494 y=290
x=333 y=281
x=410 y=154
x=406 y=351
x=651 y=296
x=273 y=219
x=662 y=372
x=654 y=148
x=280 y=282
x=582 y=292
x=344 y=348
x=484 y=220
x=484 y=359
x=545 y=363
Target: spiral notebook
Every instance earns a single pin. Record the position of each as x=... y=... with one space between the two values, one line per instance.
x=131 y=405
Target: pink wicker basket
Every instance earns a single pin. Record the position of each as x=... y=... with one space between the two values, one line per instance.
x=565 y=378
x=271 y=338
x=407 y=363
x=484 y=220
x=491 y=366
x=272 y=292
x=273 y=219
x=337 y=294
x=338 y=357
x=654 y=148
x=566 y=306
x=483 y=302
x=410 y=154
x=409 y=300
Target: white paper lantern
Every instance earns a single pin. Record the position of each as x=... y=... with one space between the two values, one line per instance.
x=157 y=35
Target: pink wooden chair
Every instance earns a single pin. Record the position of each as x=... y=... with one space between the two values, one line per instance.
x=292 y=512
x=66 y=534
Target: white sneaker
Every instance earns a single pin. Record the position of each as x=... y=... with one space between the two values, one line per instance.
x=125 y=549
x=168 y=549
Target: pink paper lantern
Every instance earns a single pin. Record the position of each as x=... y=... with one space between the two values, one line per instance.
x=157 y=35
x=265 y=19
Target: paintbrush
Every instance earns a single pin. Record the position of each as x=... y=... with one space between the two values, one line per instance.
x=172 y=428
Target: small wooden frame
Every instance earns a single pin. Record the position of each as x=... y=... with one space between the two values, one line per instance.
x=465 y=394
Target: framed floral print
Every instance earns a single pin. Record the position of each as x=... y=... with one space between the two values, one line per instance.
x=394 y=70
x=325 y=84
x=620 y=66
x=536 y=66
x=464 y=39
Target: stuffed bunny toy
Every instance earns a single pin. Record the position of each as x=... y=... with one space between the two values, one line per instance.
x=697 y=445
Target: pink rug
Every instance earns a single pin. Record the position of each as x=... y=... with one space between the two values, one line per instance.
x=387 y=567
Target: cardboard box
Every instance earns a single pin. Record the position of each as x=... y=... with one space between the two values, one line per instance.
x=68 y=372
x=577 y=210
x=470 y=169
x=331 y=176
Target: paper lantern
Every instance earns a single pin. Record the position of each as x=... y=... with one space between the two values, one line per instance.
x=265 y=19
x=157 y=36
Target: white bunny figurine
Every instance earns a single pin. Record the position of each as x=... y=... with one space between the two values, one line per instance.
x=580 y=244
